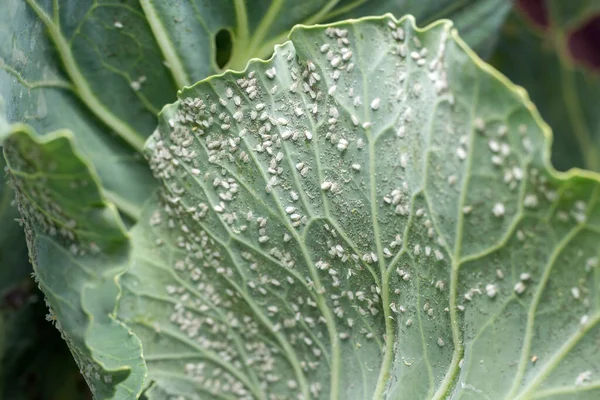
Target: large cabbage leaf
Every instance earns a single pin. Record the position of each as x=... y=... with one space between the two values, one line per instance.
x=78 y=247
x=369 y=214
x=103 y=69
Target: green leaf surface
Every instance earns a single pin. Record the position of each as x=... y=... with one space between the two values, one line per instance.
x=78 y=247
x=565 y=91
x=35 y=362
x=14 y=264
x=103 y=69
x=79 y=77
x=371 y=214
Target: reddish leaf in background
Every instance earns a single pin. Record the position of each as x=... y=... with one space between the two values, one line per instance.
x=15 y=298
x=536 y=11
x=584 y=43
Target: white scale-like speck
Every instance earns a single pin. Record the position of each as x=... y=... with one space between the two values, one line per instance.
x=375 y=103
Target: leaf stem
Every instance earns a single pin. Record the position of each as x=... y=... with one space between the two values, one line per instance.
x=344 y=9
x=384 y=372
x=456 y=339
x=264 y=26
x=454 y=367
x=266 y=48
x=589 y=150
x=241 y=17
x=166 y=46
x=133 y=211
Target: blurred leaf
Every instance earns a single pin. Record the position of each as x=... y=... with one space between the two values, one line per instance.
x=14 y=264
x=565 y=91
x=35 y=362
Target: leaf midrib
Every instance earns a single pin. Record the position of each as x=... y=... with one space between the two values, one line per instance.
x=166 y=46
x=388 y=352
x=453 y=368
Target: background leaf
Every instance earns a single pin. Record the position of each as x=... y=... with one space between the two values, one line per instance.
x=77 y=249
x=369 y=214
x=13 y=248
x=537 y=55
x=41 y=89
x=35 y=362
x=254 y=28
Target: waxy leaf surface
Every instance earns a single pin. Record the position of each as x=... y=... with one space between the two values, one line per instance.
x=369 y=214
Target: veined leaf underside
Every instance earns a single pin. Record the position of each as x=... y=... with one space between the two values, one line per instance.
x=369 y=214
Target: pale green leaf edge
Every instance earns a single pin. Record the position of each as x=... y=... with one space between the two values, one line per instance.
x=479 y=62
